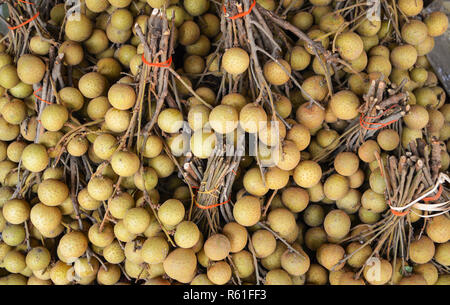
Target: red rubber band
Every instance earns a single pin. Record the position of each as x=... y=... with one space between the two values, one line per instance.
x=39 y=98
x=363 y=122
x=382 y=125
x=399 y=213
x=240 y=14
x=396 y=213
x=165 y=64
x=25 y=2
x=210 y=206
x=435 y=197
x=24 y=23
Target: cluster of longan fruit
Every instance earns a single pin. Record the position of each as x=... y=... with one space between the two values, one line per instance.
x=129 y=219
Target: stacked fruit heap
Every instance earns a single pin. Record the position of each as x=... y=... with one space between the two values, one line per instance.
x=233 y=142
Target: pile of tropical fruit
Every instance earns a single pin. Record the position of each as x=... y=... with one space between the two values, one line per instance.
x=201 y=142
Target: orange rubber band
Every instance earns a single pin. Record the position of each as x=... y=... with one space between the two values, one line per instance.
x=39 y=98
x=399 y=213
x=25 y=2
x=435 y=197
x=210 y=206
x=381 y=114
x=165 y=64
x=396 y=213
x=240 y=14
x=24 y=23
x=363 y=122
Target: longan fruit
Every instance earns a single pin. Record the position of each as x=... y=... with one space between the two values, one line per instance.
x=45 y=217
x=344 y=105
x=100 y=188
x=35 y=158
x=186 y=234
x=438 y=229
x=52 y=192
x=414 y=279
x=388 y=139
x=437 y=23
x=237 y=235
x=155 y=250
x=125 y=163
x=373 y=202
x=170 y=120
x=315 y=237
x=247 y=211
x=330 y=22
x=414 y=32
x=122 y=233
x=30 y=69
x=314 y=215
x=281 y=221
x=254 y=183
x=16 y=211
x=73 y=52
x=136 y=220
x=294 y=263
x=105 y=146
x=307 y=174
x=101 y=238
x=109 y=276
x=264 y=243
x=235 y=61
x=276 y=178
x=428 y=271
x=224 y=119
x=219 y=273
x=346 y=163
x=13 y=235
x=181 y=264
x=295 y=199
x=252 y=117
x=311 y=116
x=300 y=135
x=316 y=275
x=337 y=224
x=14 y=261
x=171 y=212
x=71 y=98
x=78 y=28
x=299 y=59
x=92 y=85
x=54 y=117
x=290 y=156
x=113 y=253
x=73 y=244
x=421 y=251
x=163 y=165
x=277 y=73
x=349 y=45
x=217 y=247
x=366 y=151
x=410 y=7
x=351 y=202
x=278 y=277
x=153 y=146
x=121 y=96
x=329 y=255
x=358 y=254
x=403 y=57
x=376 y=181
